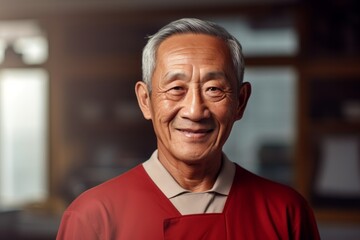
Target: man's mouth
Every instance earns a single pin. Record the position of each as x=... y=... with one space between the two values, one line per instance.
x=195 y=133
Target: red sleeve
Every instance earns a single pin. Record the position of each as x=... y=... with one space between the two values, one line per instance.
x=305 y=226
x=74 y=227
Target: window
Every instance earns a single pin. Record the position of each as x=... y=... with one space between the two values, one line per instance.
x=23 y=114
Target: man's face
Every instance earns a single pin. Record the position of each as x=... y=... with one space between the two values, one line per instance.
x=195 y=97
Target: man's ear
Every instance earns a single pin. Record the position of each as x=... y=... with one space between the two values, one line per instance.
x=143 y=97
x=243 y=97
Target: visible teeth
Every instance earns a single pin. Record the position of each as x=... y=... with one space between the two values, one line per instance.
x=192 y=134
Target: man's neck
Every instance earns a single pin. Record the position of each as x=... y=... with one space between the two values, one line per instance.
x=197 y=176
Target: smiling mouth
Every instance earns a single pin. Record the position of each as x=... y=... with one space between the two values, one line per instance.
x=195 y=133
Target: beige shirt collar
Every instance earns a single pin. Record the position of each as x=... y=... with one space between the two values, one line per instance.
x=167 y=184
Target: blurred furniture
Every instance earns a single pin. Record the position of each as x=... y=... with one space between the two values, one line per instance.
x=24 y=225
x=328 y=150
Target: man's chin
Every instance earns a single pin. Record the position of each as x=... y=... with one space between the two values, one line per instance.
x=192 y=154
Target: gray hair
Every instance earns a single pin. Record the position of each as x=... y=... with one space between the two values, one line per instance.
x=196 y=26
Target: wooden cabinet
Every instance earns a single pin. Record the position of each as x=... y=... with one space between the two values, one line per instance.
x=328 y=164
x=328 y=147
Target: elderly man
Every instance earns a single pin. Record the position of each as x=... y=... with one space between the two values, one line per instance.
x=192 y=91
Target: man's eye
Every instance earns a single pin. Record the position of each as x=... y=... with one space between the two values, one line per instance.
x=177 y=88
x=214 y=93
x=175 y=92
x=213 y=89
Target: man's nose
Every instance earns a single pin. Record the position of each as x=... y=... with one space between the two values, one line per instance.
x=194 y=107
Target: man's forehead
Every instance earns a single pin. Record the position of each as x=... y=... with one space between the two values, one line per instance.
x=191 y=39
x=193 y=48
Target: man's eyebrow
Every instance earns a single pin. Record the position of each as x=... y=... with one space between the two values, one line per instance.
x=215 y=75
x=169 y=76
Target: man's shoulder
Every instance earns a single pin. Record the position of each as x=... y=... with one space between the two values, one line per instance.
x=258 y=198
x=266 y=189
x=121 y=182
x=112 y=190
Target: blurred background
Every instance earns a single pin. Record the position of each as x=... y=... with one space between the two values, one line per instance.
x=69 y=119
